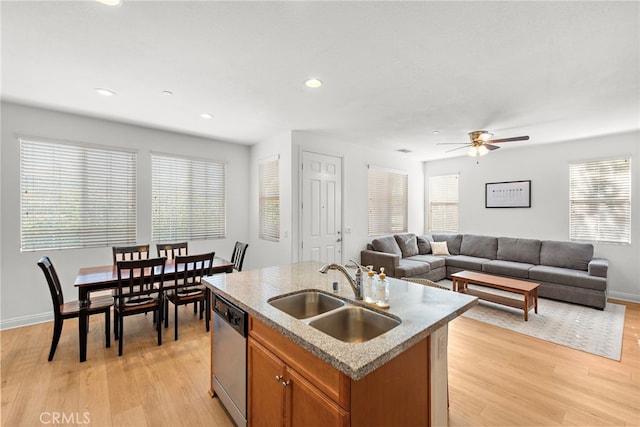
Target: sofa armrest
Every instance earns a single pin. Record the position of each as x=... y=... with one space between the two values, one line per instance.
x=598 y=267
x=380 y=259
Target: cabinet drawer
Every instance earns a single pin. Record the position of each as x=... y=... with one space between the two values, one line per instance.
x=329 y=380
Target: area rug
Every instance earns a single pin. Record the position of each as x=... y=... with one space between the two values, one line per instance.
x=571 y=325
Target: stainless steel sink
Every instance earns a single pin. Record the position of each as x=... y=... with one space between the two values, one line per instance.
x=306 y=304
x=354 y=324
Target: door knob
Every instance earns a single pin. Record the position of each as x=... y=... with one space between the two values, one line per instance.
x=339 y=240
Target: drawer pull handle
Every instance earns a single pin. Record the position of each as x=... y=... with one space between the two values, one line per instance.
x=278 y=378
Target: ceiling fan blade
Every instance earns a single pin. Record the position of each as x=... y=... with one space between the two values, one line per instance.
x=454 y=149
x=491 y=147
x=515 y=138
x=452 y=143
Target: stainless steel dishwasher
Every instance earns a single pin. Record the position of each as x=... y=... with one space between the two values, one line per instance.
x=230 y=358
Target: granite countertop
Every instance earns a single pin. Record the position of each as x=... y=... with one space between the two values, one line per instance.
x=422 y=310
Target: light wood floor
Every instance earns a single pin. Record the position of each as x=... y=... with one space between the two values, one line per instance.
x=497 y=378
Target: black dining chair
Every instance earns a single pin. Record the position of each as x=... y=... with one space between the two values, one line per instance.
x=68 y=310
x=237 y=257
x=188 y=287
x=140 y=290
x=130 y=253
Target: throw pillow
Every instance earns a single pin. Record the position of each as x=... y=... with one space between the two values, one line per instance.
x=408 y=244
x=424 y=244
x=439 y=248
x=386 y=244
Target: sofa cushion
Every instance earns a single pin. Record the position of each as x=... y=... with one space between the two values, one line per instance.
x=408 y=244
x=408 y=268
x=507 y=268
x=519 y=250
x=424 y=244
x=479 y=246
x=386 y=244
x=439 y=248
x=466 y=262
x=453 y=242
x=566 y=254
x=434 y=261
x=567 y=276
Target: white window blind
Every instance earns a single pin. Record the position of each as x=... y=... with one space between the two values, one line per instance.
x=600 y=201
x=443 y=203
x=388 y=201
x=189 y=198
x=76 y=196
x=269 y=222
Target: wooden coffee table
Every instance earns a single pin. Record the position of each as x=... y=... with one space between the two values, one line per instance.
x=462 y=279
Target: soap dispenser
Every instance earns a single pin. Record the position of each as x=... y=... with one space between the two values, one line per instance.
x=382 y=290
x=368 y=286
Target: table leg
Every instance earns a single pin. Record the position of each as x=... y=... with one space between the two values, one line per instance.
x=83 y=299
x=535 y=300
x=526 y=306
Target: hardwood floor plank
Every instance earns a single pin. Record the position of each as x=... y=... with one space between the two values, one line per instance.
x=496 y=377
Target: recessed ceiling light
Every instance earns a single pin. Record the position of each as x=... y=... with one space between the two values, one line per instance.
x=435 y=132
x=110 y=2
x=206 y=116
x=313 y=83
x=404 y=151
x=167 y=92
x=104 y=92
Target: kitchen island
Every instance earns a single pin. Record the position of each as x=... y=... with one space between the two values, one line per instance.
x=296 y=371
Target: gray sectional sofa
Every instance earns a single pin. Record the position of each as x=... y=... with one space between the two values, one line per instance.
x=566 y=271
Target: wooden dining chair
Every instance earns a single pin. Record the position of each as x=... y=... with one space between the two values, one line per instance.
x=140 y=290
x=129 y=253
x=237 y=257
x=68 y=310
x=172 y=250
x=188 y=287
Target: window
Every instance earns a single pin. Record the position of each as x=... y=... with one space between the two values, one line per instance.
x=600 y=201
x=75 y=196
x=269 y=222
x=189 y=199
x=387 y=201
x=443 y=203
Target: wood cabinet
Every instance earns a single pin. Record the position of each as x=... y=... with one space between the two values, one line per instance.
x=289 y=386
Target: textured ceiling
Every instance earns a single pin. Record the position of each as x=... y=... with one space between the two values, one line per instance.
x=393 y=72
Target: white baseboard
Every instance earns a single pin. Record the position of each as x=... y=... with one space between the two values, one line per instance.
x=18 y=322
x=624 y=296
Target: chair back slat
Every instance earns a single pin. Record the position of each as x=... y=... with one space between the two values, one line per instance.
x=172 y=250
x=57 y=298
x=192 y=268
x=130 y=253
x=139 y=279
x=237 y=257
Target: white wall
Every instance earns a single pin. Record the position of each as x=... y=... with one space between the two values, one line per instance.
x=356 y=159
x=547 y=166
x=24 y=295
x=271 y=253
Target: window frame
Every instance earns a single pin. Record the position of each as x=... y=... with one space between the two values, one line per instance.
x=387 y=211
x=85 y=195
x=445 y=204
x=590 y=195
x=192 y=202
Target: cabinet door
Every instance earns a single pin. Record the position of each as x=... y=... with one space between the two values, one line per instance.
x=307 y=406
x=265 y=386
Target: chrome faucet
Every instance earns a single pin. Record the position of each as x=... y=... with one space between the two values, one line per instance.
x=355 y=282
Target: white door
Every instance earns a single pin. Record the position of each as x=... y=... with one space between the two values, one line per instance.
x=321 y=209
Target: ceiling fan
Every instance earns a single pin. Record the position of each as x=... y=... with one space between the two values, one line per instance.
x=481 y=143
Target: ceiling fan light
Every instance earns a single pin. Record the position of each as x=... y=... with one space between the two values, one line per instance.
x=482 y=150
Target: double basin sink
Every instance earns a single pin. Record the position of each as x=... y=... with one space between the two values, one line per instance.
x=335 y=317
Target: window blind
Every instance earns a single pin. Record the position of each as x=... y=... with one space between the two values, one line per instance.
x=75 y=196
x=443 y=203
x=388 y=201
x=269 y=222
x=600 y=201
x=188 y=198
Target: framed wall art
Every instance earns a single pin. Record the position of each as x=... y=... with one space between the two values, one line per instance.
x=512 y=194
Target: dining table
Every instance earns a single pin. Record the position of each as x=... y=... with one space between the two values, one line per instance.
x=92 y=279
